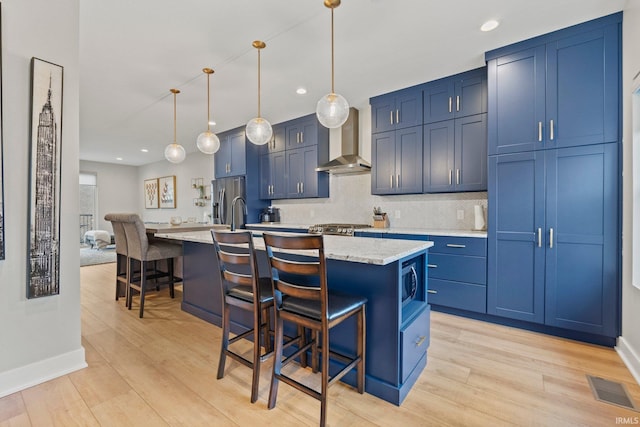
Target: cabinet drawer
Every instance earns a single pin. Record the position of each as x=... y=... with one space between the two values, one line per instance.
x=414 y=340
x=459 y=268
x=465 y=296
x=476 y=246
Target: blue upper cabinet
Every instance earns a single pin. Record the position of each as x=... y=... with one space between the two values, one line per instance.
x=455 y=155
x=557 y=90
x=278 y=140
x=461 y=95
x=396 y=110
x=230 y=160
x=301 y=132
x=397 y=162
x=272 y=175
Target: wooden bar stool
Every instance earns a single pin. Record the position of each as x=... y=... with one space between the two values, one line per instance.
x=301 y=296
x=243 y=288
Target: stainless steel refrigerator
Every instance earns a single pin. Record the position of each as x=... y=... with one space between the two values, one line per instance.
x=223 y=191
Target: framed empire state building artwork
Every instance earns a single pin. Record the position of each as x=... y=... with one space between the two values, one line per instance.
x=43 y=263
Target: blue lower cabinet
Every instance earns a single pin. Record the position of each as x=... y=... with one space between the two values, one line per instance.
x=414 y=341
x=553 y=233
x=458 y=273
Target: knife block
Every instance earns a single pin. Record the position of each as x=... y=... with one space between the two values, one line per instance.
x=381 y=223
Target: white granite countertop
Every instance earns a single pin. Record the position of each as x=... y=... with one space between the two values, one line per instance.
x=355 y=249
x=420 y=231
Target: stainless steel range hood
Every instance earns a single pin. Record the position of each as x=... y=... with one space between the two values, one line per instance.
x=349 y=160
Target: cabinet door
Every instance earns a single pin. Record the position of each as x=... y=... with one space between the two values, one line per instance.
x=582 y=89
x=516 y=97
x=471 y=153
x=438 y=100
x=515 y=269
x=470 y=96
x=238 y=160
x=438 y=157
x=272 y=176
x=581 y=259
x=222 y=158
x=278 y=141
x=295 y=173
x=383 y=161
x=409 y=160
x=408 y=108
x=383 y=113
x=309 y=186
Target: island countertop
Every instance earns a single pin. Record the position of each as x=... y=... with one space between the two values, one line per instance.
x=354 y=249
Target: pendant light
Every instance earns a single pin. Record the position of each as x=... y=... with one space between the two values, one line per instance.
x=259 y=130
x=174 y=152
x=332 y=109
x=208 y=142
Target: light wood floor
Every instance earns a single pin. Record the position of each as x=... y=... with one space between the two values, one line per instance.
x=161 y=370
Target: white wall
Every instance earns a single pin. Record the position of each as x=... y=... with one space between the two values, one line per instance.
x=114 y=184
x=39 y=338
x=196 y=165
x=629 y=343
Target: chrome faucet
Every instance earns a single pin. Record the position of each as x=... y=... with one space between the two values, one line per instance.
x=233 y=211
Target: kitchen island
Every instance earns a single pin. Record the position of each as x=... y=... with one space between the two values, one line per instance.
x=397 y=330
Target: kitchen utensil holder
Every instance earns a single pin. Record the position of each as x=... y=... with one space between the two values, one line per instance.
x=381 y=221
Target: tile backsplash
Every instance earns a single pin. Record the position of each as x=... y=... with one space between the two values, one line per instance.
x=351 y=201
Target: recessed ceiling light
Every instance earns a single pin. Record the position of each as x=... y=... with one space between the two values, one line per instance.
x=144 y=150
x=301 y=91
x=118 y=158
x=489 y=25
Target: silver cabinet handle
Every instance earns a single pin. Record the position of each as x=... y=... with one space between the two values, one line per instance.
x=551 y=238
x=301 y=137
x=301 y=187
x=391 y=117
x=454 y=245
x=391 y=180
x=432 y=265
x=450 y=176
x=539 y=131
x=450 y=101
x=551 y=130
x=458 y=103
x=397 y=116
x=431 y=291
x=539 y=237
x=457 y=176
x=420 y=341
x=298 y=187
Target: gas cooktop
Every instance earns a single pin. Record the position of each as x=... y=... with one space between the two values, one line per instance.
x=336 y=229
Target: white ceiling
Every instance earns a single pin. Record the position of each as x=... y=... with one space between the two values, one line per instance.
x=133 y=52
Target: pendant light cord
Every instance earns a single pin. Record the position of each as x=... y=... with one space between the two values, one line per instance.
x=259 y=82
x=208 y=105
x=332 y=55
x=174 y=118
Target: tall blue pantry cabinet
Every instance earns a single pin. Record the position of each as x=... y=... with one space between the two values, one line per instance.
x=554 y=189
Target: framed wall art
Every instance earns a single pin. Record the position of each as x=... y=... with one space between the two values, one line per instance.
x=1 y=164
x=151 y=193
x=43 y=265
x=167 y=191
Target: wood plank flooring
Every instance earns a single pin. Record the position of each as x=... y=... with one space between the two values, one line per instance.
x=161 y=371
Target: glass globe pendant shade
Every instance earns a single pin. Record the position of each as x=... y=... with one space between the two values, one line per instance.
x=208 y=142
x=259 y=131
x=174 y=153
x=332 y=110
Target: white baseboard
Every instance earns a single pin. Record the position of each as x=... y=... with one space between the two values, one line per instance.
x=36 y=373
x=630 y=357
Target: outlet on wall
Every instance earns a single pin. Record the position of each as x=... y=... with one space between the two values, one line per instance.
x=460 y=214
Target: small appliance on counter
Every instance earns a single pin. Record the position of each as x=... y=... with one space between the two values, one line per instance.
x=270 y=215
x=380 y=219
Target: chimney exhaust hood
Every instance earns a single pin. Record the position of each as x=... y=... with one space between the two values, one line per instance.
x=349 y=160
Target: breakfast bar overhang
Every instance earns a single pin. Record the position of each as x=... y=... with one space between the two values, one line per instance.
x=397 y=324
